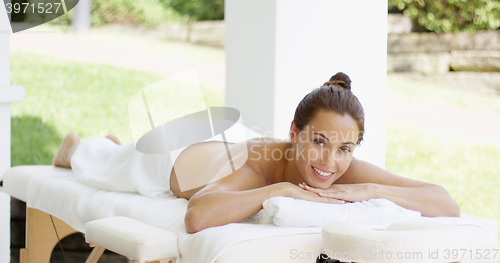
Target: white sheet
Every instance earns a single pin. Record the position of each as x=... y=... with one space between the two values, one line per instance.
x=100 y=163
x=56 y=195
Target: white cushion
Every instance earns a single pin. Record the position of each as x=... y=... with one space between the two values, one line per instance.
x=15 y=180
x=413 y=241
x=132 y=238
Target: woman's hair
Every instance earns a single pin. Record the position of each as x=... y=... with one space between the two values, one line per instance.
x=335 y=95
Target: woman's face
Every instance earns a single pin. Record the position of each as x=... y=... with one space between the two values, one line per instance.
x=324 y=147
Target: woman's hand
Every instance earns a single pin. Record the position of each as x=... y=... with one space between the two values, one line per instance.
x=294 y=191
x=346 y=192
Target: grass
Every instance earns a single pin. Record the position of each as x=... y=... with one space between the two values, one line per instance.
x=467 y=168
x=64 y=96
x=439 y=95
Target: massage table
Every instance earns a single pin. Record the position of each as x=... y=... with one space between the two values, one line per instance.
x=152 y=230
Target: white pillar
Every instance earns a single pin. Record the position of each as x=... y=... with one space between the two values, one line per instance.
x=81 y=17
x=279 y=50
x=8 y=94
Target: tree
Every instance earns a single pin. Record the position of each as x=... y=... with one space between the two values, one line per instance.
x=195 y=10
x=199 y=9
x=451 y=15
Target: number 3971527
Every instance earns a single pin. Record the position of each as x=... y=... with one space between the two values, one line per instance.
x=33 y=8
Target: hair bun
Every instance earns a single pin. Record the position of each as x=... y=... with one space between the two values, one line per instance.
x=340 y=79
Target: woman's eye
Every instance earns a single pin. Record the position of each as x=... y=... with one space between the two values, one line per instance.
x=346 y=149
x=318 y=142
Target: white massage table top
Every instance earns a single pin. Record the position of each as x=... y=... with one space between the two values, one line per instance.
x=15 y=180
x=51 y=192
x=282 y=244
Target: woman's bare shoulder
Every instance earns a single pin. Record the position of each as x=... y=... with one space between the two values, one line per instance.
x=266 y=155
x=254 y=166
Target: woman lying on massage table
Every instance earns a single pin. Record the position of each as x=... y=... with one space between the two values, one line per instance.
x=316 y=165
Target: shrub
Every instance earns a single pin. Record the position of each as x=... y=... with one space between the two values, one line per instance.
x=451 y=15
x=198 y=9
x=147 y=12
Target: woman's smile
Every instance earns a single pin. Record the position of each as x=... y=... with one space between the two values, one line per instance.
x=321 y=174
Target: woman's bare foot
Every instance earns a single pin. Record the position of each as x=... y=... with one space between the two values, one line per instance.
x=66 y=150
x=114 y=138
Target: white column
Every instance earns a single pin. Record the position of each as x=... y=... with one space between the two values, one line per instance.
x=8 y=94
x=279 y=50
x=81 y=17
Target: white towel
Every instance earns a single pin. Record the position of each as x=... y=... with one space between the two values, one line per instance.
x=290 y=212
x=102 y=164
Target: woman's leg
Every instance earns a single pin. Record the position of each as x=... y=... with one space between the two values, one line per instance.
x=66 y=150
x=114 y=138
x=68 y=147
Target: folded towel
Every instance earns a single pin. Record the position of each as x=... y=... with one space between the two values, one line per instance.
x=290 y=212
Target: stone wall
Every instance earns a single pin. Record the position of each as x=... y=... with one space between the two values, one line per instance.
x=437 y=54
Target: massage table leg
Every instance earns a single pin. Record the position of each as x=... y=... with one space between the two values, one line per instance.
x=41 y=237
x=157 y=261
x=95 y=254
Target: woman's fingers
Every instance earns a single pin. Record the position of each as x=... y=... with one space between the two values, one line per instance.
x=347 y=192
x=315 y=197
x=328 y=193
x=308 y=188
x=331 y=195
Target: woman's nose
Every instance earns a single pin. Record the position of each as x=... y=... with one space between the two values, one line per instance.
x=327 y=158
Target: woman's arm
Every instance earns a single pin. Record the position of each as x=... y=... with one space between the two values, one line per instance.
x=228 y=200
x=363 y=181
x=236 y=197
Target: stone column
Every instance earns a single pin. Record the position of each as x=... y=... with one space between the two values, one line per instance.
x=8 y=94
x=279 y=50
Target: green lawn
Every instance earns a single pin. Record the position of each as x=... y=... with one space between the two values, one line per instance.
x=435 y=94
x=467 y=166
x=63 y=96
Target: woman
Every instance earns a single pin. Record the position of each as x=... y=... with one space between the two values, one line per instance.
x=316 y=165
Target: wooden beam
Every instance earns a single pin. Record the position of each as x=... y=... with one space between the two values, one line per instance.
x=95 y=254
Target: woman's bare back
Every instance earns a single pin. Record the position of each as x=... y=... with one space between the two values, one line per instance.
x=195 y=167
x=205 y=162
